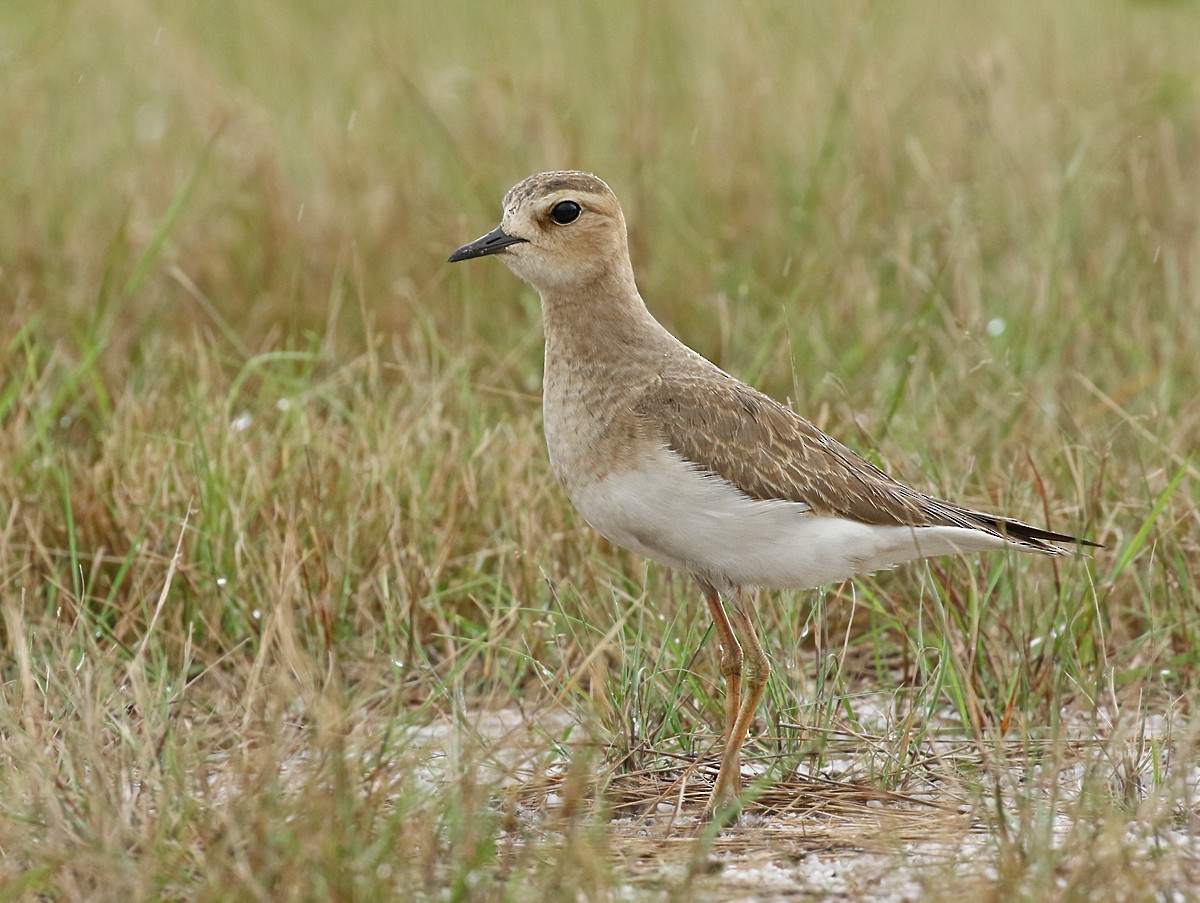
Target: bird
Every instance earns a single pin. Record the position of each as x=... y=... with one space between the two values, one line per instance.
x=665 y=454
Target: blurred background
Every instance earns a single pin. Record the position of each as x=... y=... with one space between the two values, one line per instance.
x=286 y=160
x=261 y=441
x=967 y=240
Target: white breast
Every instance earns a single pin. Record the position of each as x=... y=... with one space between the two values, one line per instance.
x=670 y=511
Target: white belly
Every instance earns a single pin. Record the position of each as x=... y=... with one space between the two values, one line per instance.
x=669 y=511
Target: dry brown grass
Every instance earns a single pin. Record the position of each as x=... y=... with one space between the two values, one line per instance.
x=275 y=505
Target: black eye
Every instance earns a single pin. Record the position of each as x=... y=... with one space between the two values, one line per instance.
x=565 y=212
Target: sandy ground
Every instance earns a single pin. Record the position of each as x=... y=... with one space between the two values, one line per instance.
x=812 y=837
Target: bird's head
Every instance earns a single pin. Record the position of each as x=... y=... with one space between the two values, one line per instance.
x=560 y=230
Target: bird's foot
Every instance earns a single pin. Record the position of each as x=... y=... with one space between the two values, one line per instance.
x=723 y=806
x=722 y=817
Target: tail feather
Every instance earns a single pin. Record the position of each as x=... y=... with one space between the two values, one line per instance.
x=1035 y=537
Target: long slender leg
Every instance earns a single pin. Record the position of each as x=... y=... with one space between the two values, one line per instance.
x=731 y=658
x=758 y=669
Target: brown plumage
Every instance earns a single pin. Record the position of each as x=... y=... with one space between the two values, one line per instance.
x=769 y=452
x=666 y=454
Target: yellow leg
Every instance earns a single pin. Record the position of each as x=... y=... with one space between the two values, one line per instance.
x=758 y=669
x=731 y=659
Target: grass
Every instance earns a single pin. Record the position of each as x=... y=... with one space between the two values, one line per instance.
x=276 y=524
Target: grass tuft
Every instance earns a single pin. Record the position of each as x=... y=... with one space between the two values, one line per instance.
x=291 y=605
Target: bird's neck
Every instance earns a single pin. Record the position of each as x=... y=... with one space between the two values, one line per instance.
x=604 y=320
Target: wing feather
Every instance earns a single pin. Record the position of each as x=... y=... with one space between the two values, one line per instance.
x=769 y=452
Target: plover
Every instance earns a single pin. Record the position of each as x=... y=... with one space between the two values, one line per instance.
x=666 y=454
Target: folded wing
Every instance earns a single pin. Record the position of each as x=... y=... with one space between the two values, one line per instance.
x=768 y=452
